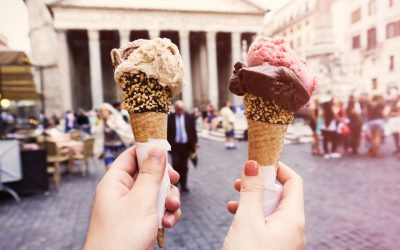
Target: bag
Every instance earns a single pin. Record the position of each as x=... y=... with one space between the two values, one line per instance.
x=344 y=129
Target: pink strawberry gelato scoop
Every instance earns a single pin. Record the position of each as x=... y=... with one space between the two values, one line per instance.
x=276 y=53
x=274 y=73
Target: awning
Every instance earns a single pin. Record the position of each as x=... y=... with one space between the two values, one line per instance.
x=16 y=79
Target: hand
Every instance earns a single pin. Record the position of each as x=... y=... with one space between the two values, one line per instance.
x=196 y=146
x=124 y=213
x=284 y=229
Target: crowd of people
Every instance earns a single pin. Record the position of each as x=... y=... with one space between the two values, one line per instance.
x=346 y=127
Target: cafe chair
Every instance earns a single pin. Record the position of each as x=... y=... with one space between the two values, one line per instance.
x=75 y=135
x=55 y=157
x=86 y=155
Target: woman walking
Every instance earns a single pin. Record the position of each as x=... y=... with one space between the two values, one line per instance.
x=113 y=134
x=314 y=118
x=394 y=122
x=329 y=131
x=355 y=125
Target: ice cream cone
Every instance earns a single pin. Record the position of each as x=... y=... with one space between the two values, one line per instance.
x=149 y=73
x=146 y=124
x=265 y=142
x=267 y=126
x=141 y=129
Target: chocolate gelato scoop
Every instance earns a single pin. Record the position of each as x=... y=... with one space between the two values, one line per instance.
x=278 y=84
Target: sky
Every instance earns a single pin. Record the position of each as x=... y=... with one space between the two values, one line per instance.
x=14 y=22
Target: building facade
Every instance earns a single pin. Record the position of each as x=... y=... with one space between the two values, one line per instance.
x=72 y=40
x=351 y=45
x=373 y=43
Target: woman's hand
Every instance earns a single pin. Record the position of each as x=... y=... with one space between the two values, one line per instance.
x=124 y=212
x=284 y=229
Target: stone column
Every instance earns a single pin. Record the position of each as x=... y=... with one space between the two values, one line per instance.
x=154 y=34
x=96 y=81
x=124 y=37
x=236 y=45
x=212 y=68
x=64 y=73
x=184 y=43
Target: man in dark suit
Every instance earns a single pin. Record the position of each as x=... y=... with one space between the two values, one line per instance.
x=183 y=139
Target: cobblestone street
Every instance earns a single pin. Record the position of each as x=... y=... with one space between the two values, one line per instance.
x=351 y=203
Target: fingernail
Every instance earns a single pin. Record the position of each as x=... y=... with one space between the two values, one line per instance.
x=156 y=154
x=171 y=220
x=251 y=168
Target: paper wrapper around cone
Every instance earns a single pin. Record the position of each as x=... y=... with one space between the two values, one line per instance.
x=150 y=125
x=265 y=142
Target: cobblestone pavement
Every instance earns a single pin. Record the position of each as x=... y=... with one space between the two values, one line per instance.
x=351 y=203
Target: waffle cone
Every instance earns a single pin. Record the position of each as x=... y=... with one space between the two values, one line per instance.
x=149 y=125
x=265 y=142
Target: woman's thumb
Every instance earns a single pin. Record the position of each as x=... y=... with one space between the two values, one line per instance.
x=252 y=190
x=150 y=173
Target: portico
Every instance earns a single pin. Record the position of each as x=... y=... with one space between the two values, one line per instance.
x=209 y=35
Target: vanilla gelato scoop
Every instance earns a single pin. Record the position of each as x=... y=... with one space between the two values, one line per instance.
x=158 y=59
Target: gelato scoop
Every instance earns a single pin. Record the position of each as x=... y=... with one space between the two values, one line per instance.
x=158 y=59
x=274 y=74
x=276 y=53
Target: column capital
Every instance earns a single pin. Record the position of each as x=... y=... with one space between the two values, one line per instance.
x=184 y=34
x=211 y=35
x=124 y=37
x=154 y=33
x=93 y=35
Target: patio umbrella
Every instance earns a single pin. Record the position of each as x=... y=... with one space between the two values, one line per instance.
x=16 y=79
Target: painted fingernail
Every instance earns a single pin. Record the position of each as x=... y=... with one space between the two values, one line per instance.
x=171 y=220
x=156 y=154
x=251 y=168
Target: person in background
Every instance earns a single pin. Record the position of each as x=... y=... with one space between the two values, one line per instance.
x=183 y=139
x=123 y=112
x=314 y=116
x=329 y=131
x=394 y=122
x=113 y=134
x=69 y=121
x=82 y=121
x=228 y=123
x=211 y=117
x=376 y=123
x=355 y=125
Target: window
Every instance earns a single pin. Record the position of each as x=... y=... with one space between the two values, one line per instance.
x=371 y=35
x=391 y=3
x=291 y=45
x=307 y=23
x=356 y=43
x=299 y=41
x=393 y=29
x=356 y=15
x=391 y=63
x=372 y=7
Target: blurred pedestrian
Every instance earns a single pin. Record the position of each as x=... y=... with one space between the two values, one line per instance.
x=376 y=123
x=113 y=134
x=355 y=125
x=123 y=112
x=69 y=121
x=211 y=117
x=82 y=121
x=183 y=139
x=394 y=122
x=314 y=118
x=329 y=131
x=228 y=124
